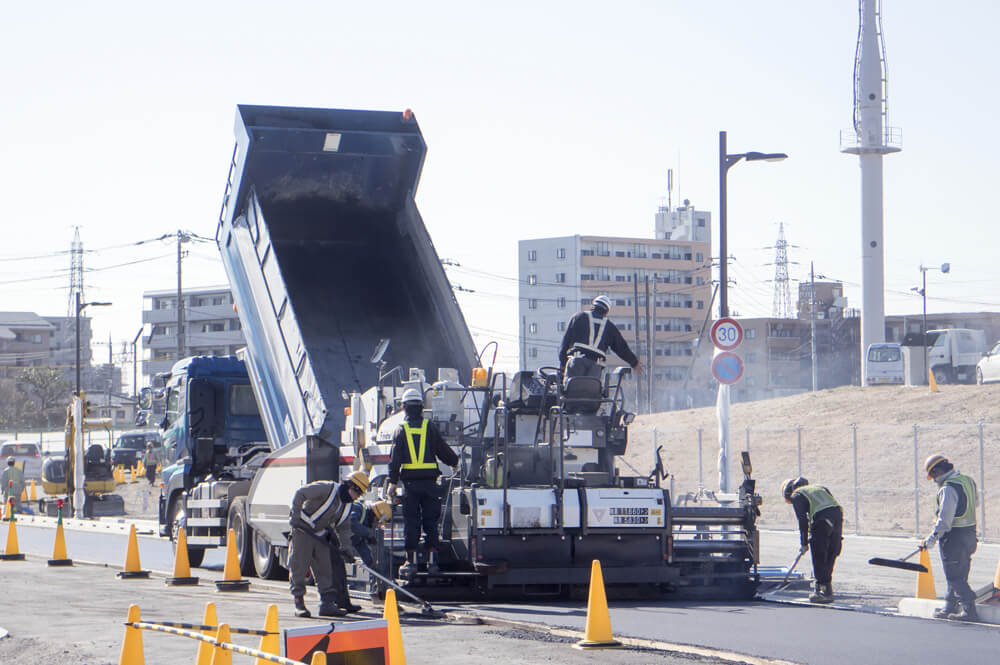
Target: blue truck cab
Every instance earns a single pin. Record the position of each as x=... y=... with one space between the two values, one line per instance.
x=211 y=431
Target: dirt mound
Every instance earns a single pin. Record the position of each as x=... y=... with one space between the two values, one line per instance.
x=866 y=444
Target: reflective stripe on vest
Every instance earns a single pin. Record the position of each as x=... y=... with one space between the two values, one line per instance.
x=818 y=497
x=966 y=489
x=417 y=460
x=595 y=337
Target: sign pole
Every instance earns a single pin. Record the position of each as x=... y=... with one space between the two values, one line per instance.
x=727 y=367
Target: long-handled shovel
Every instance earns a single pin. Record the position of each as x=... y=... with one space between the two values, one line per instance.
x=900 y=563
x=794 y=563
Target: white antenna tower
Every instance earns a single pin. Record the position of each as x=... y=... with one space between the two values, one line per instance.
x=75 y=271
x=782 y=308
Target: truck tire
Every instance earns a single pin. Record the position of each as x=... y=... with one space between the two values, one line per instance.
x=942 y=375
x=177 y=517
x=244 y=534
x=265 y=561
x=979 y=376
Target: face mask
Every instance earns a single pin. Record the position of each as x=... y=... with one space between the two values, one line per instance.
x=413 y=411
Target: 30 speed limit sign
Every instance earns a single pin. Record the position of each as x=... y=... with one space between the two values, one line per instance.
x=727 y=334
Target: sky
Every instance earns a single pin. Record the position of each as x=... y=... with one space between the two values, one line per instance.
x=541 y=119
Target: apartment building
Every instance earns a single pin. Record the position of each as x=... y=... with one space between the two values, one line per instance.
x=24 y=341
x=660 y=291
x=211 y=327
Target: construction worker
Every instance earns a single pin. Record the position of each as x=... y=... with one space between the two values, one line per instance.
x=365 y=520
x=821 y=528
x=417 y=445
x=149 y=460
x=12 y=480
x=319 y=518
x=587 y=338
x=955 y=533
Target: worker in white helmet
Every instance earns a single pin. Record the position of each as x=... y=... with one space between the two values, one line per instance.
x=587 y=339
x=955 y=533
x=417 y=445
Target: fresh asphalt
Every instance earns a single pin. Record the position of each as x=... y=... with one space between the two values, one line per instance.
x=802 y=634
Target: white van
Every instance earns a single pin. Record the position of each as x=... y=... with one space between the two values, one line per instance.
x=885 y=365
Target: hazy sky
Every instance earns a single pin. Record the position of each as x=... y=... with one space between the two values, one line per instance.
x=541 y=119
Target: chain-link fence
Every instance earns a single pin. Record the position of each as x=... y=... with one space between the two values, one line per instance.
x=876 y=472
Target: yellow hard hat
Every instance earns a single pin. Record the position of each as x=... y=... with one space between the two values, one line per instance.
x=382 y=510
x=933 y=461
x=359 y=478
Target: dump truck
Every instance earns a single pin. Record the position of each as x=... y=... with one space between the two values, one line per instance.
x=343 y=302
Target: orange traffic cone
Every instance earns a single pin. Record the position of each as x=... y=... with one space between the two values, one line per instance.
x=205 y=649
x=182 y=566
x=33 y=496
x=9 y=510
x=131 y=471
x=597 y=634
x=391 y=614
x=59 y=557
x=24 y=494
x=222 y=656
x=132 y=568
x=231 y=573
x=925 y=581
x=932 y=381
x=132 y=653
x=12 y=552
x=270 y=643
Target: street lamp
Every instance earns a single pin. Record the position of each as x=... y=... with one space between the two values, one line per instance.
x=945 y=268
x=726 y=161
x=80 y=306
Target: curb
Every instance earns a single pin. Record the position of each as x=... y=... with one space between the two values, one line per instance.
x=924 y=609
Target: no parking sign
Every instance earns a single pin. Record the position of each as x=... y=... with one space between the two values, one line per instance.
x=727 y=367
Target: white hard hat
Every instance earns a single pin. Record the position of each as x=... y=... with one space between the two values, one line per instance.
x=412 y=395
x=603 y=301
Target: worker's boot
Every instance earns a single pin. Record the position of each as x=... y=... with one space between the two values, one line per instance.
x=300 y=607
x=817 y=595
x=432 y=562
x=409 y=569
x=827 y=592
x=967 y=613
x=943 y=612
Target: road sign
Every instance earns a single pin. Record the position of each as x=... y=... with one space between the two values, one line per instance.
x=727 y=334
x=727 y=367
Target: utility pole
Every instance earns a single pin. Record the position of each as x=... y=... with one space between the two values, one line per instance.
x=135 y=364
x=652 y=348
x=524 y=342
x=182 y=237
x=812 y=324
x=635 y=309
x=649 y=354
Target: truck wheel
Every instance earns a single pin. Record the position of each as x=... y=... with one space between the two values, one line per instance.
x=979 y=376
x=265 y=561
x=238 y=523
x=942 y=375
x=177 y=518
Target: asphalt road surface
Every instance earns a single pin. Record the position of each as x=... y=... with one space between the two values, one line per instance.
x=803 y=634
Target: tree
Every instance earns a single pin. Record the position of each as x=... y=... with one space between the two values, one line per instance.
x=49 y=390
x=13 y=406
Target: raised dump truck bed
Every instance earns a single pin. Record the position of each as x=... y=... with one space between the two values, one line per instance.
x=327 y=254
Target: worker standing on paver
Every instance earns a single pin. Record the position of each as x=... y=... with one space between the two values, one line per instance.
x=417 y=445
x=12 y=480
x=821 y=529
x=149 y=461
x=320 y=515
x=955 y=533
x=587 y=338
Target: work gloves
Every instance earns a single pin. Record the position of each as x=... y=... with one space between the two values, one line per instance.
x=348 y=556
x=929 y=541
x=390 y=492
x=803 y=549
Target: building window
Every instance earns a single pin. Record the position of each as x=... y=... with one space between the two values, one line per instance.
x=701 y=304
x=561 y=326
x=532 y=280
x=532 y=255
x=560 y=278
x=533 y=352
x=699 y=281
x=532 y=328
x=585 y=277
x=751 y=333
x=561 y=302
x=699 y=257
x=561 y=253
x=532 y=303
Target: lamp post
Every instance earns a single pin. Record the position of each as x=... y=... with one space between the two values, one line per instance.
x=726 y=161
x=80 y=306
x=945 y=268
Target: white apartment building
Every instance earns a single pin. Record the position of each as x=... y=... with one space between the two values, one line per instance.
x=561 y=276
x=211 y=327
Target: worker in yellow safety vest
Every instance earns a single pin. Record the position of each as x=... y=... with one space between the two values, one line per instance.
x=955 y=533
x=821 y=530
x=417 y=445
